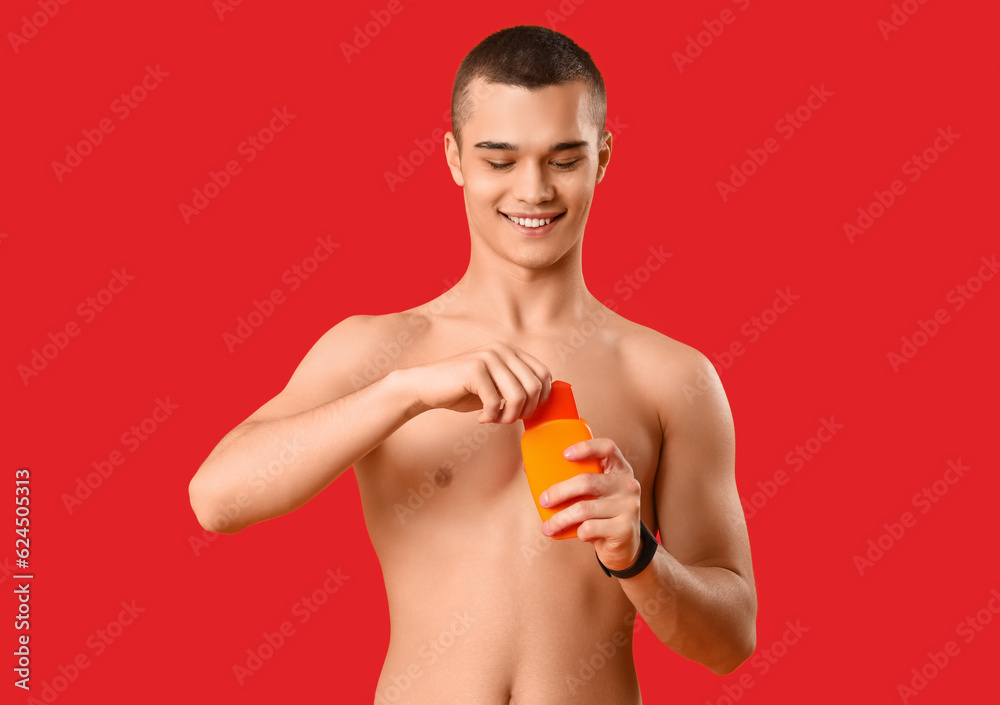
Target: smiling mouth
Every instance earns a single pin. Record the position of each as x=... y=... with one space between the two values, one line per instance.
x=531 y=222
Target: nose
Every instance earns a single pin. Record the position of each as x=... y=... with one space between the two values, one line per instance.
x=532 y=183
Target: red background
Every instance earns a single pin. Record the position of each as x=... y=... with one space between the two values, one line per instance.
x=205 y=604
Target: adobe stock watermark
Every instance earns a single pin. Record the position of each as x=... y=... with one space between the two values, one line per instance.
x=894 y=530
x=383 y=361
x=417 y=497
x=292 y=280
x=427 y=146
x=302 y=610
x=704 y=38
x=365 y=34
x=752 y=330
x=30 y=26
x=763 y=660
x=257 y=483
x=562 y=12
x=920 y=677
x=121 y=109
x=464 y=449
x=7 y=569
x=97 y=644
x=796 y=459
x=539 y=544
x=913 y=168
x=87 y=311
x=755 y=327
x=223 y=7
x=424 y=148
x=787 y=127
x=580 y=334
x=249 y=149
x=901 y=14
x=604 y=651
x=627 y=286
x=131 y=440
x=927 y=329
x=395 y=686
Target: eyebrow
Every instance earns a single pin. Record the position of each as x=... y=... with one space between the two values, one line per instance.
x=508 y=147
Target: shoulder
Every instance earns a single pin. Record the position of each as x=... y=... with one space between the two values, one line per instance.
x=678 y=380
x=357 y=351
x=361 y=329
x=662 y=360
x=354 y=353
x=366 y=340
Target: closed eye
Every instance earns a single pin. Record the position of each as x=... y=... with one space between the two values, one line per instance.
x=502 y=166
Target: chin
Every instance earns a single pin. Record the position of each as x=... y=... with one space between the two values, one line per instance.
x=537 y=258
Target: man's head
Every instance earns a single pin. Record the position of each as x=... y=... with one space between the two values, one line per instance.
x=531 y=57
x=531 y=109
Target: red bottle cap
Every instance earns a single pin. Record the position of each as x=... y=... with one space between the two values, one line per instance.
x=559 y=405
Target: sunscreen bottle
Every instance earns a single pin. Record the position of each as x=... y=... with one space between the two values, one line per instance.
x=549 y=431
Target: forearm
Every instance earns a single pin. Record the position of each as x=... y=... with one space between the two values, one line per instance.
x=263 y=469
x=707 y=614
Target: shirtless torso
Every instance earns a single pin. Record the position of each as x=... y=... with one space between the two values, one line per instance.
x=484 y=608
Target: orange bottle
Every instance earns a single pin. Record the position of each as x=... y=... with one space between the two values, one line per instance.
x=555 y=426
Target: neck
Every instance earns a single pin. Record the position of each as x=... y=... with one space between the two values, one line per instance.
x=521 y=298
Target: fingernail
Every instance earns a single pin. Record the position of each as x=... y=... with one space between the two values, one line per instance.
x=569 y=452
x=544 y=499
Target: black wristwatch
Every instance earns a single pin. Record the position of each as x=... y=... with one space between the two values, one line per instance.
x=649 y=546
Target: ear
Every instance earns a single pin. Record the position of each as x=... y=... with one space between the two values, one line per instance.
x=603 y=155
x=454 y=161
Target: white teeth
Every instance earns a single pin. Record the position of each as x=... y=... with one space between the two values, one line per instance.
x=530 y=222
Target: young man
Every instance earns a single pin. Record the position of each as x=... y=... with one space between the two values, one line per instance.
x=485 y=607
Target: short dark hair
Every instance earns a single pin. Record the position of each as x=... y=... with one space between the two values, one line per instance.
x=527 y=56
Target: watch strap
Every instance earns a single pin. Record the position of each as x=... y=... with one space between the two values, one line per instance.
x=649 y=546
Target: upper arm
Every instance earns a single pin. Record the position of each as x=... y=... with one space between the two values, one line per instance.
x=698 y=506
x=333 y=368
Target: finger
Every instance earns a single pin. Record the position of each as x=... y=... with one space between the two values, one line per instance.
x=529 y=381
x=584 y=484
x=603 y=448
x=614 y=531
x=621 y=544
x=579 y=512
x=485 y=389
x=540 y=370
x=508 y=386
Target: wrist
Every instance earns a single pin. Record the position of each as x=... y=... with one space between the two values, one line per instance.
x=648 y=546
x=622 y=564
x=404 y=392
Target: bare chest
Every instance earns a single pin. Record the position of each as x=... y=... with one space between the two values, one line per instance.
x=443 y=467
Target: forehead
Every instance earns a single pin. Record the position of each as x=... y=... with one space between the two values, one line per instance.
x=527 y=117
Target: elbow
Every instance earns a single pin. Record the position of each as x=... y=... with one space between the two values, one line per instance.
x=209 y=511
x=740 y=649
x=741 y=638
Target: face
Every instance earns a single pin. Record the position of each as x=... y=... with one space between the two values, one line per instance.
x=530 y=155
